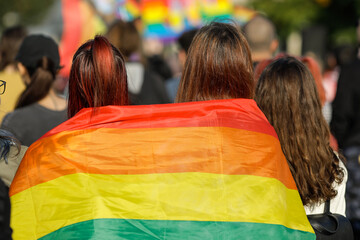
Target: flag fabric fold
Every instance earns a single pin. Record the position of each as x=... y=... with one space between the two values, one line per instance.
x=201 y=170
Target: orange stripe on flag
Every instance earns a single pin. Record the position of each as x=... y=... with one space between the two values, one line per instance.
x=205 y=149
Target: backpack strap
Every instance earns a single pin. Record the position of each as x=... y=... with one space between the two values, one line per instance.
x=327 y=206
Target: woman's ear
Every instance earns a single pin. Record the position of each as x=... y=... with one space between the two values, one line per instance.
x=24 y=73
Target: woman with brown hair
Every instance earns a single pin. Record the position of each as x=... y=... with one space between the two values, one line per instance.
x=286 y=92
x=218 y=72
x=218 y=66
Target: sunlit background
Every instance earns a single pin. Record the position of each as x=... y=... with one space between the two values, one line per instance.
x=303 y=26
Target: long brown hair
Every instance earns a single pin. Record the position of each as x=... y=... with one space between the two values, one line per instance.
x=97 y=77
x=218 y=65
x=287 y=94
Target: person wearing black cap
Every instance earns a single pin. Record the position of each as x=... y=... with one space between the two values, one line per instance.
x=39 y=108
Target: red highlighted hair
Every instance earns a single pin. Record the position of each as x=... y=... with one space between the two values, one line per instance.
x=97 y=77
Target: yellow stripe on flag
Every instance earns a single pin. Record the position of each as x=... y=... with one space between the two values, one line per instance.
x=171 y=196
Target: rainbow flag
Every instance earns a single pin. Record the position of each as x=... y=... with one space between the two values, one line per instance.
x=167 y=19
x=201 y=170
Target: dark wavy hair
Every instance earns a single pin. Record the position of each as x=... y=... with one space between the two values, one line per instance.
x=218 y=65
x=97 y=77
x=287 y=94
x=7 y=140
x=42 y=77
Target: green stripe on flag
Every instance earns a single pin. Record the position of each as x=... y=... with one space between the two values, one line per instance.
x=117 y=229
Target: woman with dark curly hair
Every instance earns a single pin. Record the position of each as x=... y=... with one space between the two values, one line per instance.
x=286 y=92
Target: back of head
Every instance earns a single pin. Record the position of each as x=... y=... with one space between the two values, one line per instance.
x=218 y=65
x=97 y=77
x=309 y=62
x=125 y=37
x=9 y=45
x=260 y=32
x=39 y=54
x=287 y=94
x=186 y=38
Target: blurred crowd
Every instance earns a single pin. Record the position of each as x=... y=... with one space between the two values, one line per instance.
x=314 y=106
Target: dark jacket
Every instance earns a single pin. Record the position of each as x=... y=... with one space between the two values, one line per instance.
x=5 y=230
x=152 y=90
x=345 y=123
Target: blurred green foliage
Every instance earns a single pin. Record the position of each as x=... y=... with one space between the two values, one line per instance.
x=338 y=16
x=288 y=15
x=29 y=11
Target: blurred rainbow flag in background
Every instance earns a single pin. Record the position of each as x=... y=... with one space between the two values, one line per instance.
x=201 y=170
x=166 y=19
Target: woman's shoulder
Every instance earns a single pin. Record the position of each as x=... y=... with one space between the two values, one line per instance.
x=9 y=165
x=337 y=204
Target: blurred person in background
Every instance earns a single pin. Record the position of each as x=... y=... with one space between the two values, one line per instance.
x=11 y=154
x=345 y=125
x=153 y=52
x=10 y=41
x=38 y=108
x=184 y=42
x=5 y=228
x=145 y=86
x=155 y=59
x=287 y=94
x=260 y=33
x=330 y=79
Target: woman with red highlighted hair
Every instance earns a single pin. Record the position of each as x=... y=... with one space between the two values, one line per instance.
x=98 y=77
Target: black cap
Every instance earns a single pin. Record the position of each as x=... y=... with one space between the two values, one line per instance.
x=34 y=47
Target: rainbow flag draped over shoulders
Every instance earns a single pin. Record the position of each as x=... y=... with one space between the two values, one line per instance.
x=202 y=170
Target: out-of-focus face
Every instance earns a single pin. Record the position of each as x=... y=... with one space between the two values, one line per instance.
x=182 y=58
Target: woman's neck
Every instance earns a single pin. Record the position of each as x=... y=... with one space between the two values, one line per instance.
x=10 y=69
x=53 y=101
